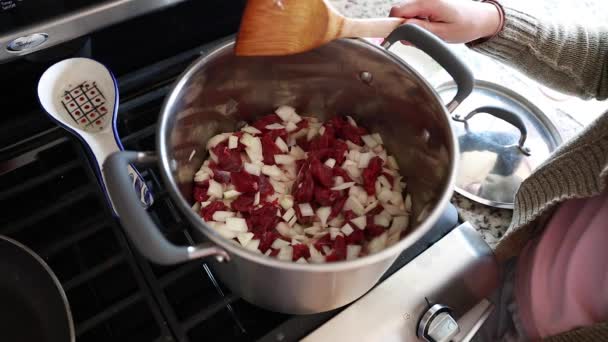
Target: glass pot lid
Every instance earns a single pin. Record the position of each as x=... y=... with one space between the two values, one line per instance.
x=503 y=138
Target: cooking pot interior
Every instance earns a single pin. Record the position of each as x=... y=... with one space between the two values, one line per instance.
x=346 y=77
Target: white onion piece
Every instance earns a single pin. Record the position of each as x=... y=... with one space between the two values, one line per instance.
x=284 y=159
x=370 y=207
x=267 y=253
x=285 y=253
x=390 y=172
x=215 y=189
x=322 y=130
x=382 y=155
x=347 y=229
x=286 y=202
x=351 y=120
x=360 y=222
x=352 y=252
x=306 y=209
x=315 y=256
x=275 y=126
x=364 y=159
x=369 y=141
x=204 y=204
x=384 y=182
x=301 y=261
x=233 y=142
x=236 y=224
x=311 y=230
x=254 y=152
x=281 y=145
x=354 y=205
x=279 y=243
x=327 y=250
x=378 y=138
x=399 y=224
x=331 y=162
x=377 y=244
x=272 y=171
x=290 y=127
x=244 y=238
x=251 y=130
x=297 y=152
x=253 y=245
x=285 y=112
x=284 y=229
x=218 y=139
x=381 y=220
x=392 y=239
x=352 y=146
x=343 y=186
x=213 y=157
x=334 y=232
x=196 y=206
x=253 y=169
x=408 y=203
x=278 y=187
x=220 y=216
x=351 y=169
x=225 y=232
x=289 y=214
x=201 y=176
x=392 y=163
x=393 y=209
x=336 y=221
x=385 y=195
x=338 y=180
x=354 y=156
x=323 y=214
x=231 y=194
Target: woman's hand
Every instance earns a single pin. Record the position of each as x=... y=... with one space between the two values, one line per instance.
x=455 y=21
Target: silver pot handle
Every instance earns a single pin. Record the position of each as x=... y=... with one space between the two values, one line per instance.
x=506 y=115
x=137 y=223
x=441 y=53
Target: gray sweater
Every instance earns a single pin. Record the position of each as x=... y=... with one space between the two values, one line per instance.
x=574 y=60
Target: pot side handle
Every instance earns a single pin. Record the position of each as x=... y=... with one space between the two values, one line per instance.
x=138 y=225
x=439 y=51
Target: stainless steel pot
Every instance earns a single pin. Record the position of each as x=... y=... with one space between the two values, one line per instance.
x=220 y=91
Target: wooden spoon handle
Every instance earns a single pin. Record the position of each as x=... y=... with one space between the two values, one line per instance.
x=369 y=28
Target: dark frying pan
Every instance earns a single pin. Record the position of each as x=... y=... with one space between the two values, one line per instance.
x=33 y=305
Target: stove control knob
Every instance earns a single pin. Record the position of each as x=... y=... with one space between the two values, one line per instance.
x=437 y=324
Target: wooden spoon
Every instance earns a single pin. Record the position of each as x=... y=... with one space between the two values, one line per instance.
x=284 y=27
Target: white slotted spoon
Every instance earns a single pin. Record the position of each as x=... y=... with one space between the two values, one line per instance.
x=81 y=95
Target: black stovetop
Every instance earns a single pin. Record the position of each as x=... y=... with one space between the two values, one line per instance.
x=51 y=202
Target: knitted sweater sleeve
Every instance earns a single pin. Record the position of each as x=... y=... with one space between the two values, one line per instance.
x=567 y=57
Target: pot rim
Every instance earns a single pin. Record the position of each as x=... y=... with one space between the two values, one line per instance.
x=165 y=166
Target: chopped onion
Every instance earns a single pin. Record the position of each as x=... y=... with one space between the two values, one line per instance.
x=216 y=140
x=323 y=214
x=359 y=193
x=256 y=198
x=370 y=207
x=289 y=214
x=399 y=224
x=353 y=204
x=336 y=221
x=343 y=186
x=220 y=216
x=275 y=126
x=331 y=162
x=369 y=141
x=315 y=255
x=351 y=120
x=297 y=152
x=364 y=159
x=334 y=232
x=301 y=261
x=285 y=253
x=233 y=142
x=354 y=156
x=392 y=163
x=284 y=159
x=286 y=202
x=326 y=249
x=213 y=156
x=231 y=194
x=236 y=224
x=293 y=221
x=338 y=180
x=244 y=238
x=360 y=222
x=322 y=130
x=352 y=169
x=352 y=146
x=385 y=195
x=285 y=112
x=377 y=244
x=254 y=151
x=253 y=169
x=347 y=229
x=408 y=203
x=381 y=220
x=201 y=176
x=253 y=245
x=272 y=171
x=225 y=232
x=284 y=229
x=306 y=209
x=384 y=182
x=204 y=204
x=278 y=187
x=290 y=127
x=311 y=230
x=215 y=189
x=393 y=209
x=281 y=145
x=251 y=130
x=378 y=138
x=279 y=243
x=196 y=206
x=352 y=252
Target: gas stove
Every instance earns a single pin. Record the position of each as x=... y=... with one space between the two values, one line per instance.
x=51 y=201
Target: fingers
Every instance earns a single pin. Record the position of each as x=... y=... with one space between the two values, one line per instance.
x=410 y=9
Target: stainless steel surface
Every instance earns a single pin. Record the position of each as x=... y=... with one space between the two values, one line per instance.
x=220 y=90
x=28 y=42
x=205 y=250
x=491 y=164
x=437 y=324
x=474 y=319
x=77 y=24
x=458 y=271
